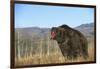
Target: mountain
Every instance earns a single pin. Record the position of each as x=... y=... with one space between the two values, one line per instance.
x=29 y=32
x=86 y=29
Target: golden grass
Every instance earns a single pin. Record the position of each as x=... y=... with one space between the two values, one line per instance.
x=36 y=59
x=55 y=57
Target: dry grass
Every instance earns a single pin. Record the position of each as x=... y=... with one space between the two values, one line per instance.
x=55 y=57
x=44 y=59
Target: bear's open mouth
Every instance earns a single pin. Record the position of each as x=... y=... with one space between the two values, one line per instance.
x=53 y=35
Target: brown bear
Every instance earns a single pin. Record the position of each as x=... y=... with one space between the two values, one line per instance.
x=71 y=42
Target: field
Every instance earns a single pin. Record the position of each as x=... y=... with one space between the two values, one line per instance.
x=42 y=50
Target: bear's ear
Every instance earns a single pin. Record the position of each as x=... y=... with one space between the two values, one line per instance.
x=53 y=28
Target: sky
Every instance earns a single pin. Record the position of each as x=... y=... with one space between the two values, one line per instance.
x=43 y=16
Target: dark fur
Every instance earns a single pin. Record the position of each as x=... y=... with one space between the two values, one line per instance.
x=71 y=42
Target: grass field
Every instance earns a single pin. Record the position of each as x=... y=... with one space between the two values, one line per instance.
x=46 y=52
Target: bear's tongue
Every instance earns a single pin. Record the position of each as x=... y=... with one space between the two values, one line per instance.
x=53 y=34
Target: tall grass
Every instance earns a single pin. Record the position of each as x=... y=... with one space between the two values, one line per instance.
x=43 y=51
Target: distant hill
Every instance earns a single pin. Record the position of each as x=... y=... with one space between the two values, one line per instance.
x=32 y=31
x=29 y=32
x=86 y=29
